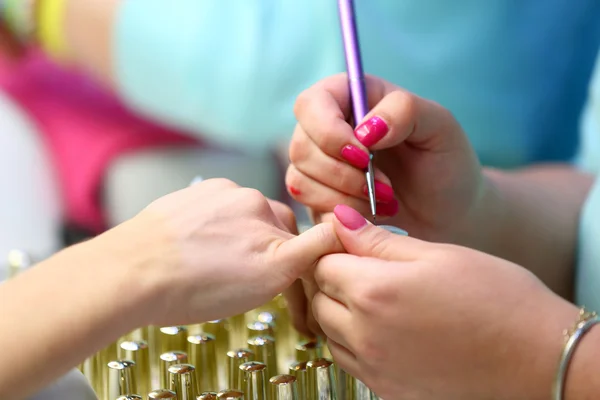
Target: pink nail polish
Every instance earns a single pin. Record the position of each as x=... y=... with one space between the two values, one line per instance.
x=349 y=217
x=355 y=156
x=383 y=192
x=388 y=209
x=371 y=131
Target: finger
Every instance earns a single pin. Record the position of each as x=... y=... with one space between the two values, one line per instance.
x=344 y=358
x=335 y=173
x=339 y=275
x=322 y=198
x=285 y=215
x=310 y=290
x=364 y=239
x=324 y=109
x=333 y=317
x=404 y=117
x=300 y=253
x=297 y=306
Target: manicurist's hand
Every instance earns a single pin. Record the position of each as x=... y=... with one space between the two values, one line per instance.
x=429 y=321
x=427 y=175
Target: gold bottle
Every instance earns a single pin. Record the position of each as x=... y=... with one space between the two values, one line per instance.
x=162 y=394
x=264 y=351
x=138 y=352
x=235 y=358
x=321 y=379
x=120 y=379
x=298 y=370
x=167 y=360
x=230 y=394
x=183 y=381
x=201 y=354
x=258 y=328
x=237 y=330
x=254 y=380
x=284 y=387
x=172 y=338
x=207 y=396
x=220 y=330
x=308 y=350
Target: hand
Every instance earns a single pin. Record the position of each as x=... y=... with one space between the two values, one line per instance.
x=428 y=176
x=416 y=320
x=217 y=250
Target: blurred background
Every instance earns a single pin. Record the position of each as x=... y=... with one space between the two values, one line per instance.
x=106 y=105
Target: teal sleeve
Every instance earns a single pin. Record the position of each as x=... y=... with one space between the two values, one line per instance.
x=229 y=70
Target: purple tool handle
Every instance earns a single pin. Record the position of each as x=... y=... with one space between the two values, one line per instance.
x=356 y=77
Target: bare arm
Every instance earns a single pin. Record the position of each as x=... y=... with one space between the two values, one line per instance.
x=534 y=215
x=63 y=310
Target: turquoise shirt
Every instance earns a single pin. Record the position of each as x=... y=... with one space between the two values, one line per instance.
x=588 y=268
x=514 y=72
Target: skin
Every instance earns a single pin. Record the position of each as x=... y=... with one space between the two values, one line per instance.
x=196 y=240
x=444 y=194
x=427 y=321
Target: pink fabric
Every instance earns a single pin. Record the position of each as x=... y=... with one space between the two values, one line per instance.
x=84 y=129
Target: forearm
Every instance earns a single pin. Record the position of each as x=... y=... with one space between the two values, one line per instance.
x=531 y=218
x=60 y=312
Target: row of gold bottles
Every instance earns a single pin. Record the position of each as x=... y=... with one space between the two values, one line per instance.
x=255 y=356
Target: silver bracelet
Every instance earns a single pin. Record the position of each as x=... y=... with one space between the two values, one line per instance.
x=587 y=320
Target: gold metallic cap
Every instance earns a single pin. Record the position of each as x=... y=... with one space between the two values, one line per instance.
x=166 y=360
x=201 y=353
x=308 y=350
x=120 y=380
x=162 y=394
x=265 y=352
x=235 y=358
x=258 y=328
x=321 y=379
x=183 y=381
x=138 y=352
x=230 y=394
x=298 y=370
x=254 y=380
x=207 y=396
x=284 y=387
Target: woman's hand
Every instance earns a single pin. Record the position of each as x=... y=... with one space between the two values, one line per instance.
x=428 y=177
x=416 y=320
x=215 y=250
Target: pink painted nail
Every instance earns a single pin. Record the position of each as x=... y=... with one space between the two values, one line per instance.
x=383 y=192
x=355 y=156
x=371 y=131
x=349 y=217
x=388 y=209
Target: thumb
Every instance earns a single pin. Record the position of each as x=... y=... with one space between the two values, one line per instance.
x=361 y=238
x=300 y=253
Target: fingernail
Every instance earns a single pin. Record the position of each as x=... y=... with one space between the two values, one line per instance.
x=371 y=131
x=294 y=191
x=349 y=217
x=388 y=209
x=383 y=192
x=355 y=156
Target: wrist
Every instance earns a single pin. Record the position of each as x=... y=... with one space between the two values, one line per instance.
x=130 y=262
x=531 y=369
